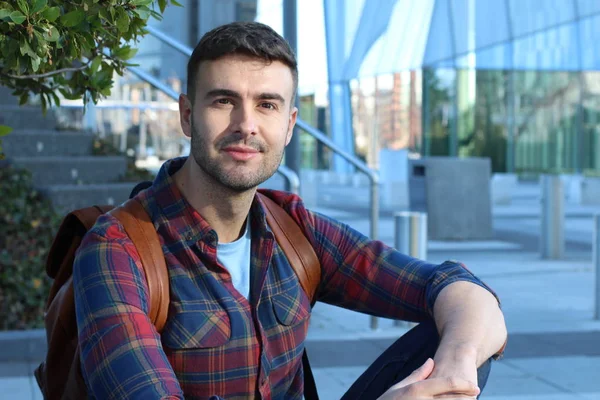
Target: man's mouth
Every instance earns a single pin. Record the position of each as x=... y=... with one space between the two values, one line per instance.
x=241 y=153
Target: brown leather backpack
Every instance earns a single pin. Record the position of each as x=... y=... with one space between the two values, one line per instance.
x=59 y=376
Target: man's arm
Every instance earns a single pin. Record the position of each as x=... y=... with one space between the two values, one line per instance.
x=471 y=327
x=121 y=351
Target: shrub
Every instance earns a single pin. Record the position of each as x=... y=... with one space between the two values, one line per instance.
x=28 y=224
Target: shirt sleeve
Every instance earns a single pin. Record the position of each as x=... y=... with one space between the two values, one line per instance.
x=120 y=349
x=368 y=276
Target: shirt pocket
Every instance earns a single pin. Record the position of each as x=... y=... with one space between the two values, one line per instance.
x=195 y=326
x=291 y=306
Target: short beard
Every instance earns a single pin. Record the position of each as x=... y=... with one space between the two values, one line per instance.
x=233 y=182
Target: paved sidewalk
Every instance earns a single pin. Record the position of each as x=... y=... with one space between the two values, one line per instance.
x=554 y=345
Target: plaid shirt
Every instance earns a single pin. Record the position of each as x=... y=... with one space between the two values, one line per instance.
x=216 y=343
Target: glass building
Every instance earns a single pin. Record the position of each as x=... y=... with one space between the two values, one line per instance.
x=513 y=80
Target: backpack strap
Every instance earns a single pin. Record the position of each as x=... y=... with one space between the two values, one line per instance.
x=141 y=231
x=296 y=247
x=305 y=263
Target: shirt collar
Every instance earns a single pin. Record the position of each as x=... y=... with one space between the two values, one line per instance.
x=188 y=222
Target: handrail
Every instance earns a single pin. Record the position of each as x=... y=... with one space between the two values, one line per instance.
x=163 y=87
x=177 y=45
x=318 y=135
x=372 y=174
x=123 y=105
x=321 y=137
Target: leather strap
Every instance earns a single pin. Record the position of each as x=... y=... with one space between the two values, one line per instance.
x=87 y=218
x=141 y=231
x=305 y=263
x=295 y=245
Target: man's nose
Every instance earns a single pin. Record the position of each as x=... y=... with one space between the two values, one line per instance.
x=245 y=121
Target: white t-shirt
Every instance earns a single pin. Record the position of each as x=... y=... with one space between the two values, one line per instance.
x=235 y=256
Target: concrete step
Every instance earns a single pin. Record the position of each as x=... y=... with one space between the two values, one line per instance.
x=66 y=198
x=26 y=117
x=73 y=170
x=38 y=142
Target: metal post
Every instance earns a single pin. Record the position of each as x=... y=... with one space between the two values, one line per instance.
x=552 y=242
x=410 y=230
x=374 y=227
x=596 y=258
x=410 y=238
x=290 y=33
x=89 y=121
x=143 y=154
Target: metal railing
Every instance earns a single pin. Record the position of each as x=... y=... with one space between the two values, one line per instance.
x=290 y=175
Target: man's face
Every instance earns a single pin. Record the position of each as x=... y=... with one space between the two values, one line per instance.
x=241 y=120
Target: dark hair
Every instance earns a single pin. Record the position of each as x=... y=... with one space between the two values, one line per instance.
x=248 y=38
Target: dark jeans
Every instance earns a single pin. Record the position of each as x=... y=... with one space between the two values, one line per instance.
x=400 y=360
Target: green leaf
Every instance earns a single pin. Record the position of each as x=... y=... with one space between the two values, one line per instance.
x=95 y=64
x=122 y=21
x=103 y=13
x=26 y=49
x=138 y=3
x=105 y=91
x=72 y=18
x=56 y=99
x=38 y=6
x=52 y=34
x=5 y=14
x=156 y=15
x=35 y=63
x=162 y=4
x=68 y=95
x=44 y=104
x=23 y=98
x=176 y=3
x=5 y=130
x=51 y=14
x=23 y=6
x=17 y=17
x=125 y=52
x=143 y=12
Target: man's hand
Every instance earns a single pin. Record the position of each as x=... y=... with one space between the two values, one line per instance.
x=421 y=385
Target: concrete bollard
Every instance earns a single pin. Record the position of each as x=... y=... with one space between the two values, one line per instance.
x=410 y=238
x=552 y=241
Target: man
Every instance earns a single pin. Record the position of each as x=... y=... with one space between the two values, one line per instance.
x=238 y=316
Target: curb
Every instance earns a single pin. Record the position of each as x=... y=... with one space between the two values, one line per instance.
x=23 y=346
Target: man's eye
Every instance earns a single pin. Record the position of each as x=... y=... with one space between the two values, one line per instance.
x=223 y=101
x=269 y=106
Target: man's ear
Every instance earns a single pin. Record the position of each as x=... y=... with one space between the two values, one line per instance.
x=291 y=125
x=185 y=114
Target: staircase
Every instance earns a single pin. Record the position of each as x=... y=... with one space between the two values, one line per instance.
x=62 y=163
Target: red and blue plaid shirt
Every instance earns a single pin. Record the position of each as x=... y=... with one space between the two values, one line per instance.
x=216 y=343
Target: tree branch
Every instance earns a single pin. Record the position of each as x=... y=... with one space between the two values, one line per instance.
x=47 y=74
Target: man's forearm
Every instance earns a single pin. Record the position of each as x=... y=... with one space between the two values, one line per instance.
x=469 y=321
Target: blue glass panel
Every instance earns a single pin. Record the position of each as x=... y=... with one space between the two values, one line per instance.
x=491 y=23
x=534 y=15
x=554 y=49
x=439 y=42
x=588 y=7
x=402 y=46
x=462 y=19
x=494 y=57
x=589 y=30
